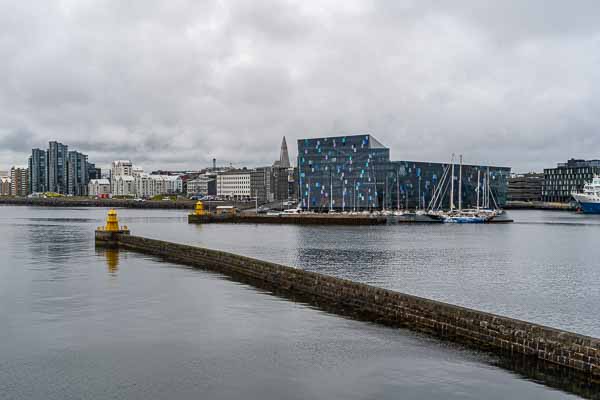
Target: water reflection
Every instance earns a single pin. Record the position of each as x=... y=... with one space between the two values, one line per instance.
x=112 y=258
x=528 y=368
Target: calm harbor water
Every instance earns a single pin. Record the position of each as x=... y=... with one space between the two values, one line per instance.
x=84 y=323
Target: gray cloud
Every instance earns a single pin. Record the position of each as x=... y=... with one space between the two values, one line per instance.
x=173 y=84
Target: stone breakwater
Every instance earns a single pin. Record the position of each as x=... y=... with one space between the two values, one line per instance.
x=480 y=330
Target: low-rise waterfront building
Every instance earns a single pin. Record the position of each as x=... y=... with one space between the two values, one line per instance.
x=148 y=185
x=99 y=187
x=525 y=187
x=355 y=172
x=123 y=185
x=5 y=186
x=234 y=184
x=199 y=186
x=566 y=178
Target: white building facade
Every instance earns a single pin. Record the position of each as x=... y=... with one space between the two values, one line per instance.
x=147 y=185
x=198 y=186
x=121 y=168
x=99 y=187
x=123 y=185
x=234 y=184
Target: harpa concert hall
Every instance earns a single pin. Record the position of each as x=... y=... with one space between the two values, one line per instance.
x=356 y=173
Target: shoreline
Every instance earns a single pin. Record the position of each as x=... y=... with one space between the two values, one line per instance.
x=110 y=203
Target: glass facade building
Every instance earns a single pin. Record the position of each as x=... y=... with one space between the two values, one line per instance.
x=568 y=177
x=77 y=174
x=57 y=167
x=356 y=173
x=38 y=171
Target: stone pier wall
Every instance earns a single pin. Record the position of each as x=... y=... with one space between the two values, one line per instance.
x=313 y=219
x=475 y=328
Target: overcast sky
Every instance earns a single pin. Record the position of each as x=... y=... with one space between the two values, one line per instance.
x=172 y=84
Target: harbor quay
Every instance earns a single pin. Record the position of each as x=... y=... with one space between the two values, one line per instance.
x=321 y=219
x=228 y=214
x=554 y=349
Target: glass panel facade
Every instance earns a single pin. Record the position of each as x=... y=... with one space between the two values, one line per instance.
x=355 y=173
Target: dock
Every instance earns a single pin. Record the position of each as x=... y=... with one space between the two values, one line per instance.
x=323 y=219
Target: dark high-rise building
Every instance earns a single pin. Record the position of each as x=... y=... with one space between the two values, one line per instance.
x=93 y=172
x=568 y=177
x=38 y=171
x=355 y=172
x=57 y=167
x=77 y=174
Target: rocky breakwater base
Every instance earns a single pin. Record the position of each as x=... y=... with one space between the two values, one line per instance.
x=561 y=356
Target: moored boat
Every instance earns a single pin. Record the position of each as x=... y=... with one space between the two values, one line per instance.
x=589 y=198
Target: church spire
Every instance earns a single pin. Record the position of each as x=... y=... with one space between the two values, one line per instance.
x=284 y=158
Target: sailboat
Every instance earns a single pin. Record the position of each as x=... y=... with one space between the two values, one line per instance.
x=460 y=215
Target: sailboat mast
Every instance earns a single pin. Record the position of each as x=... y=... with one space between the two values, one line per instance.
x=478 y=185
x=385 y=192
x=487 y=197
x=419 y=207
x=308 y=193
x=330 y=190
x=452 y=186
x=460 y=184
x=398 y=189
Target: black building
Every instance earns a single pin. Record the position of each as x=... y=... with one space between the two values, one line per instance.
x=566 y=178
x=355 y=173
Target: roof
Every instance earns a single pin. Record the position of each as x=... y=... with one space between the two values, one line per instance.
x=373 y=143
x=124 y=177
x=100 y=181
x=237 y=172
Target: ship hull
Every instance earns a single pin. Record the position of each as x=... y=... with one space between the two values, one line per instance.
x=588 y=204
x=590 y=208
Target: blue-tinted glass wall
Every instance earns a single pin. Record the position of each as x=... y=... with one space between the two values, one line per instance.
x=57 y=167
x=412 y=184
x=355 y=172
x=344 y=172
x=38 y=171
